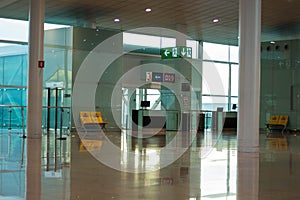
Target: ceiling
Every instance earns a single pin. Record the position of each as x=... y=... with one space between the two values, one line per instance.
x=280 y=18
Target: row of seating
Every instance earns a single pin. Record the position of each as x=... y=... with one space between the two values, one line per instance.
x=90 y=119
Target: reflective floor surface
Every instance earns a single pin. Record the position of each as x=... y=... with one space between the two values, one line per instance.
x=206 y=166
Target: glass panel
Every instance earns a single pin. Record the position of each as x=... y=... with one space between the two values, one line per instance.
x=153 y=91
x=1 y=70
x=169 y=100
x=13 y=64
x=234 y=80
x=212 y=103
x=141 y=40
x=55 y=69
x=168 y=42
x=194 y=45
x=234 y=54
x=13 y=73
x=217 y=52
x=125 y=107
x=10 y=111
x=10 y=49
x=131 y=40
x=13 y=69
x=15 y=30
x=148 y=40
x=215 y=78
x=154 y=97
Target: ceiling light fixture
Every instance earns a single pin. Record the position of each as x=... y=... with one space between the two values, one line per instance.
x=272 y=42
x=215 y=20
x=116 y=20
x=148 y=10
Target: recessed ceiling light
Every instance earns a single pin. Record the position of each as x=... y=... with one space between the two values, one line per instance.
x=215 y=20
x=148 y=10
x=116 y=20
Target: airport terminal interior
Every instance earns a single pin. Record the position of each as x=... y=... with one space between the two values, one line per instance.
x=140 y=100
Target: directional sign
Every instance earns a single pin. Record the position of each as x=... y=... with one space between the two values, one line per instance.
x=176 y=52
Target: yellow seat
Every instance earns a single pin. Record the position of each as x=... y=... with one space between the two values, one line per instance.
x=277 y=122
x=274 y=120
x=97 y=117
x=91 y=119
x=283 y=120
x=85 y=118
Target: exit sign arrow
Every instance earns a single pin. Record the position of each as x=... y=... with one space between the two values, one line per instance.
x=167 y=52
x=183 y=52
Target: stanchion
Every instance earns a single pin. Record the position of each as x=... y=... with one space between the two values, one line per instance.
x=23 y=127
x=56 y=114
x=48 y=109
x=126 y=122
x=9 y=128
x=68 y=117
x=61 y=125
x=23 y=153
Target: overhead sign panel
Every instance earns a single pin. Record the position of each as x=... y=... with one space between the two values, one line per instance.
x=176 y=52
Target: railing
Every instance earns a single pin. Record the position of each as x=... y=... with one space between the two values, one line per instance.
x=53 y=117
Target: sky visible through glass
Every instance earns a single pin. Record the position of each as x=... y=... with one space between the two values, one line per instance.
x=17 y=30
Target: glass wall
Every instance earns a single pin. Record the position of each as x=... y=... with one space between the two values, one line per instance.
x=13 y=80
x=150 y=44
x=14 y=67
x=57 y=78
x=220 y=76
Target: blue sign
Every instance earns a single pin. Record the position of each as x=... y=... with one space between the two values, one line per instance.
x=157 y=77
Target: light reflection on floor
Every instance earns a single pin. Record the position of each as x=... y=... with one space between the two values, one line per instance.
x=209 y=169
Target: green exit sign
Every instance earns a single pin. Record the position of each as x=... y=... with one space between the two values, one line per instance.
x=176 y=52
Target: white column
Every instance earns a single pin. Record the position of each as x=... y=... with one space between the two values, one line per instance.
x=34 y=99
x=249 y=75
x=35 y=74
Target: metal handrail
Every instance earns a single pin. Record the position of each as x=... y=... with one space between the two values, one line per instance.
x=23 y=108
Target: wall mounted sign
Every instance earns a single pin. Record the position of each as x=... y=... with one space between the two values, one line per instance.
x=176 y=52
x=160 y=77
x=169 y=77
x=157 y=77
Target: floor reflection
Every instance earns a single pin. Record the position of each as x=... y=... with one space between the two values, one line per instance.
x=183 y=178
x=12 y=171
x=211 y=168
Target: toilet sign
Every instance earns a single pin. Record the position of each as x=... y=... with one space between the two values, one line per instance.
x=176 y=52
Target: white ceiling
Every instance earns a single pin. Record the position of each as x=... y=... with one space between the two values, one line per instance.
x=280 y=18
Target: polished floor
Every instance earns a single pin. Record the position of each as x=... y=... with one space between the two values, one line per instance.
x=203 y=166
